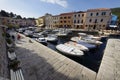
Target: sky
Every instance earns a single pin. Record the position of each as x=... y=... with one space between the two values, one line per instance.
x=37 y=8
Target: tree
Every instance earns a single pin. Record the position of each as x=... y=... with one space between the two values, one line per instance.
x=4 y=13
x=11 y=15
x=24 y=18
x=18 y=17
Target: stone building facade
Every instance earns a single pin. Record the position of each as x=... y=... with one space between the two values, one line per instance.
x=55 y=21
x=79 y=19
x=16 y=22
x=66 y=20
x=97 y=19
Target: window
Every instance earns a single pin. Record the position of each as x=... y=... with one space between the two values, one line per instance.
x=95 y=20
x=82 y=15
x=64 y=17
x=90 y=20
x=78 y=15
x=91 y=14
x=74 y=21
x=60 y=17
x=69 y=17
x=74 y=15
x=97 y=14
x=82 y=21
x=110 y=13
x=64 y=21
x=101 y=20
x=78 y=21
x=61 y=21
x=103 y=13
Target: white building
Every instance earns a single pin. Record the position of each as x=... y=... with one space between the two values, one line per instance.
x=97 y=19
x=55 y=21
x=48 y=21
x=79 y=19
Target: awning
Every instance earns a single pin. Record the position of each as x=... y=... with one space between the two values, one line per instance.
x=78 y=24
x=113 y=26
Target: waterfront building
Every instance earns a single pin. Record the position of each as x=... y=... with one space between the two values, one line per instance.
x=79 y=19
x=97 y=19
x=13 y=22
x=40 y=22
x=66 y=20
x=48 y=21
x=55 y=21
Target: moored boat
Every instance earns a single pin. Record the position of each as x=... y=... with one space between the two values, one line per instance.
x=51 y=38
x=69 y=50
x=41 y=39
x=87 y=40
x=76 y=45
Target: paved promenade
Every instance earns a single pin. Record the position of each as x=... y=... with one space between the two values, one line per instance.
x=41 y=63
x=110 y=66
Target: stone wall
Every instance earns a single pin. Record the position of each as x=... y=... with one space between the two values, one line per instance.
x=3 y=56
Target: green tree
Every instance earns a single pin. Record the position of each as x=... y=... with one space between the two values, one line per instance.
x=18 y=17
x=4 y=13
x=11 y=15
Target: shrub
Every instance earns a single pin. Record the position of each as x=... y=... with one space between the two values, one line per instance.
x=14 y=64
x=9 y=41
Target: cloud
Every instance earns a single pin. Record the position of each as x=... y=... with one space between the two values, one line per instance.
x=62 y=3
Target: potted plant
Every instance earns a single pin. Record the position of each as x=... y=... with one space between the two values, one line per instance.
x=9 y=42
x=14 y=64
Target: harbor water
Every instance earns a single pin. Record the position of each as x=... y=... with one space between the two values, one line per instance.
x=91 y=59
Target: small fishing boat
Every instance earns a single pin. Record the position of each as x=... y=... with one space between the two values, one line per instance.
x=89 y=46
x=78 y=40
x=76 y=45
x=94 y=37
x=41 y=39
x=51 y=38
x=87 y=40
x=91 y=41
x=82 y=34
x=69 y=50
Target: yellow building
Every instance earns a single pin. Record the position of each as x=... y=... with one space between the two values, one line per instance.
x=40 y=22
x=66 y=20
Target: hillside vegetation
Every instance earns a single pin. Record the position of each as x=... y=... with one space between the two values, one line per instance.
x=116 y=11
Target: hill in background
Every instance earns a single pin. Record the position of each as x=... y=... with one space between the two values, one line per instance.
x=116 y=11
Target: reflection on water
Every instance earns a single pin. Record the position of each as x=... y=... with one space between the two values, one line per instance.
x=91 y=59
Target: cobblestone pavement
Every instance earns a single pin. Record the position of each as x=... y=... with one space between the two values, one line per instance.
x=41 y=63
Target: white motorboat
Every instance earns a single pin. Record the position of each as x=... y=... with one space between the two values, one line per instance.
x=87 y=40
x=76 y=45
x=89 y=46
x=41 y=39
x=78 y=40
x=28 y=32
x=62 y=32
x=75 y=39
x=82 y=34
x=51 y=38
x=69 y=50
x=94 y=37
x=91 y=41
